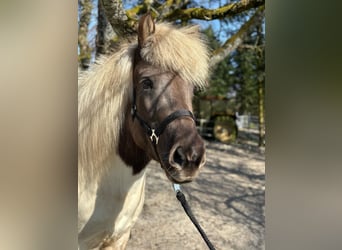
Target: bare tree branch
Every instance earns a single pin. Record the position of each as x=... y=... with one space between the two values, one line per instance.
x=136 y=10
x=124 y=22
x=236 y=40
x=210 y=14
x=117 y=17
x=170 y=6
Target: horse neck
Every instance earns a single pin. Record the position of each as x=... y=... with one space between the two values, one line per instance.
x=128 y=151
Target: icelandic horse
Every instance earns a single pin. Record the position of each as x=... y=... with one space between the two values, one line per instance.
x=135 y=106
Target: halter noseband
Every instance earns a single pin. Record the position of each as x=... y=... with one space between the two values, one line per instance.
x=154 y=133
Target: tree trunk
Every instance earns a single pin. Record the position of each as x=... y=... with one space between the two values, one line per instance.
x=261 y=92
x=102 y=39
x=83 y=44
x=261 y=83
x=116 y=16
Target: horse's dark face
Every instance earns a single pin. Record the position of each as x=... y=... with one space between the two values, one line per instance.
x=158 y=94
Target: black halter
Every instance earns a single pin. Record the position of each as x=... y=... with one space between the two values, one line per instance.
x=154 y=133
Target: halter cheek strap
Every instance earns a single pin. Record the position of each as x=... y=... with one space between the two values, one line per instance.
x=154 y=133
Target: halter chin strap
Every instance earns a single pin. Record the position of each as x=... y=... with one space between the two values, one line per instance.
x=154 y=133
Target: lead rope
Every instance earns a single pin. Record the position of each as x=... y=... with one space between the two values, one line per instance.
x=154 y=137
x=181 y=197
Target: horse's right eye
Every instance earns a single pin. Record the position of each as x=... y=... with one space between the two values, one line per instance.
x=147 y=84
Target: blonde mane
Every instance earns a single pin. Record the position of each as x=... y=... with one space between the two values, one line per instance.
x=105 y=89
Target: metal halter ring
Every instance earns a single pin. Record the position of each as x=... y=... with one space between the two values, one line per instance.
x=154 y=136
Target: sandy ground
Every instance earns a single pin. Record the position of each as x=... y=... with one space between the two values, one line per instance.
x=227 y=199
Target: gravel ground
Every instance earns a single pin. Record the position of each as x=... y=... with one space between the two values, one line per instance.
x=227 y=198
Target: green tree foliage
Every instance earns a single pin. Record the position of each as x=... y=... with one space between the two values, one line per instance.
x=220 y=80
x=237 y=77
x=245 y=78
x=249 y=72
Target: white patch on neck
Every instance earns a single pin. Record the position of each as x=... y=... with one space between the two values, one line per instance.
x=109 y=207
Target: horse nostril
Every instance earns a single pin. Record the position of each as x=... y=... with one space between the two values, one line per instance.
x=193 y=156
x=196 y=156
x=178 y=156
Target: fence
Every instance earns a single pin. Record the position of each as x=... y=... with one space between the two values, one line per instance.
x=247 y=122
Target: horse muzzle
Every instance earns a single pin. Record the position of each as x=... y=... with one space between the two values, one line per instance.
x=185 y=160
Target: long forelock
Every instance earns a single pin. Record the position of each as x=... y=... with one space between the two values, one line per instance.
x=181 y=50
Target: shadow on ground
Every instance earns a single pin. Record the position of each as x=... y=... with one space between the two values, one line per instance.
x=228 y=199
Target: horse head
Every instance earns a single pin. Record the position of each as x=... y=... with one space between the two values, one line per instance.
x=162 y=123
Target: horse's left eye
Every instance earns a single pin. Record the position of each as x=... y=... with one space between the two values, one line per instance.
x=147 y=84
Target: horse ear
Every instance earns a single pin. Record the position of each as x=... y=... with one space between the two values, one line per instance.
x=145 y=29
